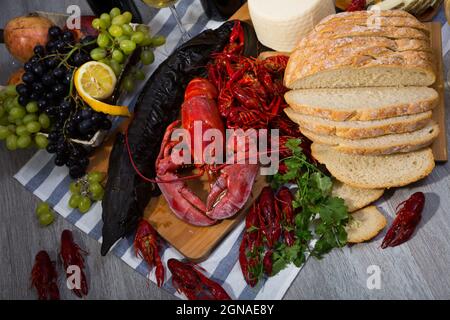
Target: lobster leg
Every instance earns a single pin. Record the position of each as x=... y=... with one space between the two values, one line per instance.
x=231 y=190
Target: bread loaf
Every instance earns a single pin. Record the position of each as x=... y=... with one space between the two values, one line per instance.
x=343 y=52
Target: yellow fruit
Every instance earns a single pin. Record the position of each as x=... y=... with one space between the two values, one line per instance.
x=95 y=80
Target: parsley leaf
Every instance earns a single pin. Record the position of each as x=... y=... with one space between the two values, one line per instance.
x=321 y=216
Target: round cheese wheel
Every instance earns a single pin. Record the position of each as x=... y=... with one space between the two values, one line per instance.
x=281 y=24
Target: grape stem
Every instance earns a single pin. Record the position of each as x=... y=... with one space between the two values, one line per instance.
x=76 y=47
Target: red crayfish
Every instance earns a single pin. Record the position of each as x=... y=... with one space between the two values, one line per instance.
x=44 y=277
x=250 y=90
x=72 y=255
x=269 y=217
x=147 y=247
x=229 y=191
x=408 y=217
x=187 y=279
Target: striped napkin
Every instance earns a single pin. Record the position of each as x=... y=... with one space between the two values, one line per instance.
x=51 y=184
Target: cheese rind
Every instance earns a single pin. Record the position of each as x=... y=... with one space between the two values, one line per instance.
x=281 y=25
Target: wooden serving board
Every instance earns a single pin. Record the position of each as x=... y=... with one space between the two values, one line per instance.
x=425 y=17
x=439 y=113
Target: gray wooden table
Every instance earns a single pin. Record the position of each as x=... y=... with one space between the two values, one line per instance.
x=419 y=269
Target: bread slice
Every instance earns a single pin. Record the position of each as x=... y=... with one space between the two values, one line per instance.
x=375 y=172
x=388 y=144
x=365 y=224
x=355 y=198
x=360 y=129
x=374 y=69
x=362 y=104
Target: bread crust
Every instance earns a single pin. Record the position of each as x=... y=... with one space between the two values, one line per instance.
x=342 y=175
x=366 y=14
x=368 y=129
x=359 y=44
x=403 y=22
x=374 y=146
x=363 y=114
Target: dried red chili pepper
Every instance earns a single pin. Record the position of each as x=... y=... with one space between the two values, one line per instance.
x=408 y=217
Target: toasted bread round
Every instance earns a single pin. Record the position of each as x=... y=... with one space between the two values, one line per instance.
x=365 y=224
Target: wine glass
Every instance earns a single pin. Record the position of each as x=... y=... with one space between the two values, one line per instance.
x=185 y=35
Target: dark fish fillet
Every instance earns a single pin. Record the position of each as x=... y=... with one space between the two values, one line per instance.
x=127 y=194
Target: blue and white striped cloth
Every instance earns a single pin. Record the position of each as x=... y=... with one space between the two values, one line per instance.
x=51 y=184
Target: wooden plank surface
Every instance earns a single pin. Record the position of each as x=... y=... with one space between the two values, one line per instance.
x=418 y=269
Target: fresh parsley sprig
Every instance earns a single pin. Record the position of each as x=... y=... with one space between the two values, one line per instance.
x=322 y=216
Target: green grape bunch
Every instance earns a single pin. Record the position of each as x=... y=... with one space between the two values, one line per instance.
x=86 y=190
x=118 y=38
x=21 y=127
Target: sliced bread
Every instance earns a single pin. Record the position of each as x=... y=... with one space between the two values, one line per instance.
x=388 y=144
x=365 y=224
x=375 y=172
x=355 y=198
x=360 y=129
x=362 y=104
x=408 y=68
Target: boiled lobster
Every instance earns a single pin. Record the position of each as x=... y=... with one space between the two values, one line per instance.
x=72 y=255
x=187 y=278
x=44 y=277
x=147 y=247
x=229 y=191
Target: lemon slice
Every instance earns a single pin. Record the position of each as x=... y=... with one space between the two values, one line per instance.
x=95 y=81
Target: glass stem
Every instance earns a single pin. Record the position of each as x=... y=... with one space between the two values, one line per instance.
x=184 y=33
